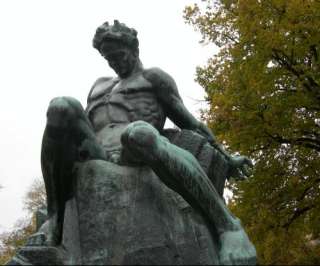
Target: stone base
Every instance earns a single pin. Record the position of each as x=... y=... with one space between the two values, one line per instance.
x=41 y=255
x=125 y=215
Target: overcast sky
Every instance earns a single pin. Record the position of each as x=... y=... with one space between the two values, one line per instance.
x=46 y=51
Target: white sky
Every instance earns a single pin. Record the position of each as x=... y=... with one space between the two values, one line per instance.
x=46 y=51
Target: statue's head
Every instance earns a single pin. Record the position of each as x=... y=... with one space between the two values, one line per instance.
x=119 y=45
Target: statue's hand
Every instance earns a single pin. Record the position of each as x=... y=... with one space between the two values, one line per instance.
x=115 y=157
x=240 y=167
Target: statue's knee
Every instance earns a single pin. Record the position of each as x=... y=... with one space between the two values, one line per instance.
x=139 y=134
x=62 y=110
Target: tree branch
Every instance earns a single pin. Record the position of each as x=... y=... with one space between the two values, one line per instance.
x=307 y=81
x=297 y=213
x=307 y=189
x=302 y=141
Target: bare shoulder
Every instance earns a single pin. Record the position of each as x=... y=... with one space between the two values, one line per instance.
x=159 y=78
x=101 y=86
x=101 y=80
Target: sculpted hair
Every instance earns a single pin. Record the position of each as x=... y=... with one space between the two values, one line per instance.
x=116 y=33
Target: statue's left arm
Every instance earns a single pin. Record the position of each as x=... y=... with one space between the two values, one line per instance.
x=168 y=95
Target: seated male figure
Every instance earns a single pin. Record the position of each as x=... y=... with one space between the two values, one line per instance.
x=123 y=123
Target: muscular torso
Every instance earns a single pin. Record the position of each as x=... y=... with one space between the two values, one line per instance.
x=114 y=103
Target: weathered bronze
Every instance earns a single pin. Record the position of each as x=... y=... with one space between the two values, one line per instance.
x=124 y=125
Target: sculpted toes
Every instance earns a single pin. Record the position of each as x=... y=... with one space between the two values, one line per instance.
x=37 y=239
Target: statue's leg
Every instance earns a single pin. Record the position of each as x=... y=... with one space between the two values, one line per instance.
x=68 y=138
x=181 y=172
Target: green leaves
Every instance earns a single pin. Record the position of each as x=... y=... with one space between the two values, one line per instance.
x=264 y=93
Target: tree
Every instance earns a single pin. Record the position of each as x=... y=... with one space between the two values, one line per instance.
x=10 y=241
x=263 y=89
x=35 y=197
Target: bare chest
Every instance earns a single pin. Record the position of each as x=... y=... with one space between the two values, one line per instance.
x=124 y=101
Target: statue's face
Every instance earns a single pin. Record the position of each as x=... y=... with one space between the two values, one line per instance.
x=122 y=61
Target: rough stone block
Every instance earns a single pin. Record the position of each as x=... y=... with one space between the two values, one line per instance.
x=127 y=216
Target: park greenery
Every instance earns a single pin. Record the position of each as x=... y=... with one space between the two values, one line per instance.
x=263 y=91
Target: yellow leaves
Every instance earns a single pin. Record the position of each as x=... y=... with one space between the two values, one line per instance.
x=264 y=91
x=10 y=241
x=35 y=197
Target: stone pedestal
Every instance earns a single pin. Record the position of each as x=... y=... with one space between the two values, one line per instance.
x=125 y=215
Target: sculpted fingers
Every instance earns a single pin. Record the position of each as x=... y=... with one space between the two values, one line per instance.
x=240 y=173
x=248 y=162
x=115 y=158
x=246 y=170
x=241 y=167
x=236 y=174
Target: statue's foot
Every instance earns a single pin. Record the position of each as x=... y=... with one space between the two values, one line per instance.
x=47 y=235
x=37 y=239
x=236 y=248
x=41 y=239
x=39 y=255
x=40 y=249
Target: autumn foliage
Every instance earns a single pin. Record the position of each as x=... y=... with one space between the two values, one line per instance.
x=11 y=240
x=263 y=90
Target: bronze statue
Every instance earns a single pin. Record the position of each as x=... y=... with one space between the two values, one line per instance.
x=124 y=124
